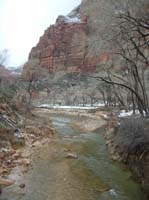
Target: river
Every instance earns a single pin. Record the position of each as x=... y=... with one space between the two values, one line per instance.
x=90 y=176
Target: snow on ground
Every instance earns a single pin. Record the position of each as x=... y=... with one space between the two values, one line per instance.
x=69 y=107
x=126 y=114
x=72 y=20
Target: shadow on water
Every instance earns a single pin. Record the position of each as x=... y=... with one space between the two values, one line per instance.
x=92 y=176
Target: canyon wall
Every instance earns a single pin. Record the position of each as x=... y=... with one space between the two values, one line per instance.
x=82 y=40
x=81 y=43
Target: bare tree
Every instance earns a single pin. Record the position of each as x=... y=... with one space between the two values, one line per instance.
x=32 y=77
x=132 y=44
x=134 y=49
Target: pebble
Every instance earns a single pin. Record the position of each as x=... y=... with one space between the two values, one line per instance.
x=22 y=185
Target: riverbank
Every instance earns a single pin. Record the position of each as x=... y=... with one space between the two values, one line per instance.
x=90 y=121
x=16 y=151
x=128 y=142
x=92 y=114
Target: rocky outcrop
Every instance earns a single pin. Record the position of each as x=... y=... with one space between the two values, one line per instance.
x=68 y=46
x=82 y=40
x=62 y=46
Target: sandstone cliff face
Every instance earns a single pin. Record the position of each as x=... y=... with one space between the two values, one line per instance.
x=80 y=41
x=62 y=45
x=70 y=44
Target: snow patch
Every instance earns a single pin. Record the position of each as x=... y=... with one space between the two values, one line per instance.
x=123 y=113
x=72 y=19
x=68 y=19
x=67 y=107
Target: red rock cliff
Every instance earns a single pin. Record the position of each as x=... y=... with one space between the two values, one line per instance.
x=81 y=41
x=63 y=46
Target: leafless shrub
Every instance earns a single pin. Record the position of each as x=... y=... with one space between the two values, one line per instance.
x=131 y=132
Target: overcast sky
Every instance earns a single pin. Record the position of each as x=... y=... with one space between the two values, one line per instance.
x=22 y=22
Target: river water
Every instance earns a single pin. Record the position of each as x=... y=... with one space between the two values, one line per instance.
x=92 y=176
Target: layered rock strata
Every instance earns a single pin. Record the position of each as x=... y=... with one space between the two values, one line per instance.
x=62 y=46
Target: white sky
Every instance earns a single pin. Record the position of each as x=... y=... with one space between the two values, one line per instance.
x=22 y=22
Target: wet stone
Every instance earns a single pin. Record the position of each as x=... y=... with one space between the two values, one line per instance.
x=22 y=185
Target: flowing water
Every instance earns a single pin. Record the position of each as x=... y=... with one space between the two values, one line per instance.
x=91 y=176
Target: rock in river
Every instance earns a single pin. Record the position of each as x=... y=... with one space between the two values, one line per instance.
x=72 y=155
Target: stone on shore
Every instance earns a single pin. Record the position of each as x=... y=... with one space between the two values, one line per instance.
x=6 y=182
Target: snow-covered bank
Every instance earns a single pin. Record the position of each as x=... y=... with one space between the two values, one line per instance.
x=70 y=107
x=123 y=113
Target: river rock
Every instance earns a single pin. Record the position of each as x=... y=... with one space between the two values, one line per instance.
x=37 y=143
x=22 y=185
x=16 y=155
x=6 y=182
x=25 y=162
x=3 y=170
x=113 y=192
x=72 y=155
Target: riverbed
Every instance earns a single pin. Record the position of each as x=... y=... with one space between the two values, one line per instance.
x=89 y=175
